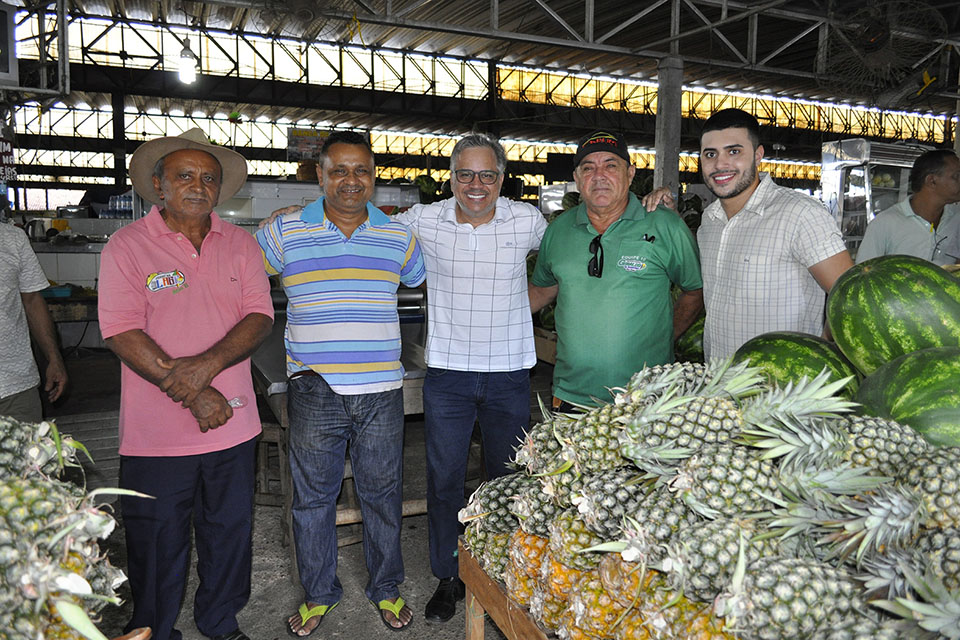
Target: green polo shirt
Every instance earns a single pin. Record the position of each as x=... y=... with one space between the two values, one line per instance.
x=608 y=328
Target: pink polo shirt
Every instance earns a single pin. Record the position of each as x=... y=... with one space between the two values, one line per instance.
x=153 y=279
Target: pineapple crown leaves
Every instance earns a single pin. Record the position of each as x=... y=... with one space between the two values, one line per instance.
x=635 y=546
x=937 y=610
x=730 y=603
x=544 y=411
x=89 y=522
x=882 y=573
x=817 y=440
x=729 y=379
x=889 y=517
x=813 y=483
x=75 y=617
x=661 y=408
x=808 y=397
x=659 y=461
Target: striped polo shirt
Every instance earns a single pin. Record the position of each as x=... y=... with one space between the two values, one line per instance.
x=342 y=317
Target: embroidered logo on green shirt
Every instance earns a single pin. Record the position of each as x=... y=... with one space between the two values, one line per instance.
x=632 y=263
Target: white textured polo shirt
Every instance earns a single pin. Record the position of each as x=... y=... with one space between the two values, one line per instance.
x=20 y=272
x=478 y=311
x=900 y=230
x=755 y=266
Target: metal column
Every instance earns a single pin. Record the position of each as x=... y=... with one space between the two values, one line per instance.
x=669 y=114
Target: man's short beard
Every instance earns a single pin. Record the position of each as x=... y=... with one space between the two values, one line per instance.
x=741 y=185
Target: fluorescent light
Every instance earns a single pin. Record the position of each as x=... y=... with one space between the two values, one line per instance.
x=188 y=63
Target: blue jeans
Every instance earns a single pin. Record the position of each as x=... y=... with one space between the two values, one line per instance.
x=322 y=423
x=452 y=402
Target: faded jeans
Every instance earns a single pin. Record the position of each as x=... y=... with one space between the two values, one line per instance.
x=322 y=424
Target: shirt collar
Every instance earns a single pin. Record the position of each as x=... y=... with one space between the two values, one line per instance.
x=634 y=211
x=156 y=226
x=448 y=212
x=755 y=204
x=313 y=213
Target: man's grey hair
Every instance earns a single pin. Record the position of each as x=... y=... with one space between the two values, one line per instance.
x=479 y=140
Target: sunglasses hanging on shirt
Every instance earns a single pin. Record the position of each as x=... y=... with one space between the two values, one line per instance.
x=595 y=266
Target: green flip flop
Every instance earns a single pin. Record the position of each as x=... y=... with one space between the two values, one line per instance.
x=394 y=608
x=308 y=613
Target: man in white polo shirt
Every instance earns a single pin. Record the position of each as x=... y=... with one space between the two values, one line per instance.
x=925 y=225
x=479 y=339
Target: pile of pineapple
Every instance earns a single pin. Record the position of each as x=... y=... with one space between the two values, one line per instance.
x=703 y=503
x=53 y=577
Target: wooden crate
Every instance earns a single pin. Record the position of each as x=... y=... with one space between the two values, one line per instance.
x=546 y=344
x=484 y=596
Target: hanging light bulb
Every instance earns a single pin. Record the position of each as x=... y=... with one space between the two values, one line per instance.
x=188 y=63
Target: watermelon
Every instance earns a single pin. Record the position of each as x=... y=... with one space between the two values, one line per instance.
x=788 y=356
x=921 y=389
x=689 y=346
x=889 y=306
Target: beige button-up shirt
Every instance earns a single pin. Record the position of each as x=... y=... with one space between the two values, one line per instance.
x=755 y=266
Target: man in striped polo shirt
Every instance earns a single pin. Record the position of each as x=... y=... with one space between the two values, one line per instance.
x=341 y=260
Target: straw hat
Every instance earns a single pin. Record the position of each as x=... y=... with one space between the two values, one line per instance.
x=145 y=158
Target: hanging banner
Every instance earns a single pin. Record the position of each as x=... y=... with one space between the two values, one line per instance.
x=8 y=165
x=304 y=144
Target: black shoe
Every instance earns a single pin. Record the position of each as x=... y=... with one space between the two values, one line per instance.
x=236 y=635
x=443 y=604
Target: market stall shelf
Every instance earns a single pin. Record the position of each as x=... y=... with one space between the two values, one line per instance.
x=484 y=596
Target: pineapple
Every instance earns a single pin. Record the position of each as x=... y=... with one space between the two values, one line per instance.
x=526 y=552
x=941 y=550
x=489 y=506
x=594 y=610
x=518 y=584
x=627 y=582
x=547 y=608
x=935 y=476
x=34 y=448
x=725 y=479
x=859 y=628
x=701 y=558
x=489 y=548
x=652 y=524
x=569 y=539
x=49 y=556
x=720 y=411
x=567 y=628
x=882 y=445
x=535 y=510
x=651 y=382
x=777 y=597
x=607 y=497
x=556 y=578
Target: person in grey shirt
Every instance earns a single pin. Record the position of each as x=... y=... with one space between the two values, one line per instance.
x=925 y=225
x=24 y=314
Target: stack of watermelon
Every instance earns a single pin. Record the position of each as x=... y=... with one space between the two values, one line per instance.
x=896 y=322
x=897 y=318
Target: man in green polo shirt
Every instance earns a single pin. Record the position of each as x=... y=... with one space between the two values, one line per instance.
x=609 y=264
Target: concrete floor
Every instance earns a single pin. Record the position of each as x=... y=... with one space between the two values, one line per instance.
x=274 y=595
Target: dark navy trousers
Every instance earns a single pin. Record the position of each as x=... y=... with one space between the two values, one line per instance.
x=452 y=402
x=215 y=490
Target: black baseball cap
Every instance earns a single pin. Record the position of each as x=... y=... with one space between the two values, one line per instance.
x=601 y=141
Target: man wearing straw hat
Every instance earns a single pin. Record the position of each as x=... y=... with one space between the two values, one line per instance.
x=183 y=303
